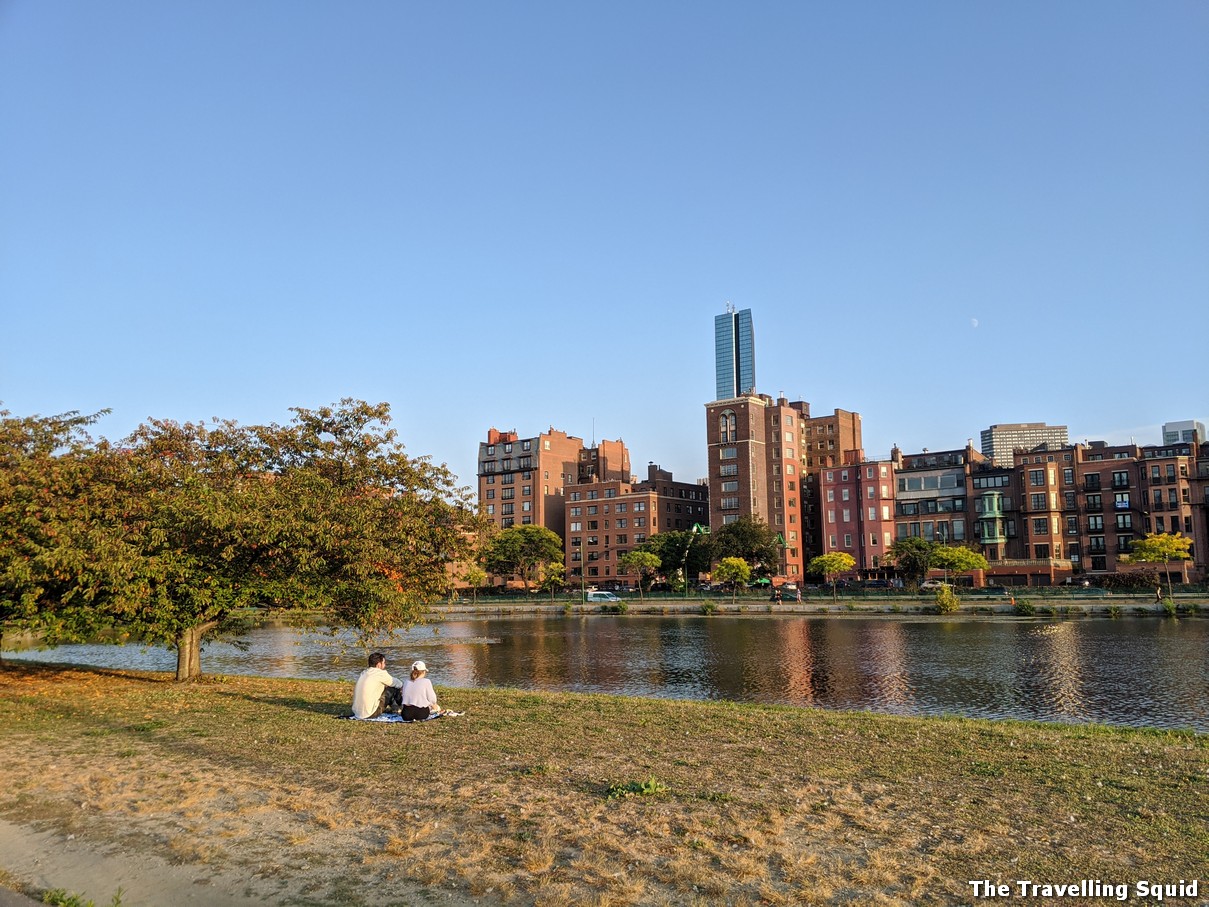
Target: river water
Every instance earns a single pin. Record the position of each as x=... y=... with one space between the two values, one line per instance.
x=1144 y=672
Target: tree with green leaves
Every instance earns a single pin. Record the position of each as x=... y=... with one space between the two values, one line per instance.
x=553 y=576
x=641 y=562
x=912 y=557
x=733 y=570
x=957 y=559
x=831 y=566
x=524 y=551
x=475 y=577
x=753 y=540
x=1160 y=548
x=182 y=528
x=681 y=550
x=59 y=527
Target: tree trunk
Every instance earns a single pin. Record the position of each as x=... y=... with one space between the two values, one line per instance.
x=188 y=652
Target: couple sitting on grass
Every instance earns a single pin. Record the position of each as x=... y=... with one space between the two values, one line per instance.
x=377 y=692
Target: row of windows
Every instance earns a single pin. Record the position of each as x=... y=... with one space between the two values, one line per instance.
x=525 y=445
x=591 y=540
x=578 y=525
x=930 y=483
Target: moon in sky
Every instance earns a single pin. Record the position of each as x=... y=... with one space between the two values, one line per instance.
x=973 y=322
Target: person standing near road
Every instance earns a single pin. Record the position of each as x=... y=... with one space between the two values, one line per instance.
x=419 y=698
x=1158 y=596
x=373 y=685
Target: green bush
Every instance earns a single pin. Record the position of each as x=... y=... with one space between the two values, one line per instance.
x=708 y=608
x=946 y=600
x=1025 y=608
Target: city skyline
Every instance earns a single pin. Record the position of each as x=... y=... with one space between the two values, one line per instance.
x=942 y=218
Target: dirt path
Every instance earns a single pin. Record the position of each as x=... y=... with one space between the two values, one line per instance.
x=98 y=869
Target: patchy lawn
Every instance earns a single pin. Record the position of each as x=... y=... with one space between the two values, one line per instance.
x=577 y=799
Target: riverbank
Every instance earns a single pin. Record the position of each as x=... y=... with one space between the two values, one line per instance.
x=1191 y=605
x=248 y=790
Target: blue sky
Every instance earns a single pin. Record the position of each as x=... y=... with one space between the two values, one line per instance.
x=523 y=215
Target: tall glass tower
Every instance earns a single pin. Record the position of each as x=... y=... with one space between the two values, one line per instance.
x=734 y=353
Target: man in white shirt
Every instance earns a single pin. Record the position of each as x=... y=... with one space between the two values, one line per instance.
x=369 y=695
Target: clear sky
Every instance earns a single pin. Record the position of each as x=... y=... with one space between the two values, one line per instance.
x=942 y=215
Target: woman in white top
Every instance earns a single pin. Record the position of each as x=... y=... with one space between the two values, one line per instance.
x=419 y=698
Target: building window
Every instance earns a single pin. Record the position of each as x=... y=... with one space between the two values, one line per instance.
x=728 y=453
x=728 y=427
x=728 y=469
x=1041 y=526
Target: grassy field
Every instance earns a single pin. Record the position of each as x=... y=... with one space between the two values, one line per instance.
x=593 y=800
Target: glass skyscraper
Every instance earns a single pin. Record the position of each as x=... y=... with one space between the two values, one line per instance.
x=734 y=354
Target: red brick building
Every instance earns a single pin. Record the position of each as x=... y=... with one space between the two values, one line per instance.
x=765 y=457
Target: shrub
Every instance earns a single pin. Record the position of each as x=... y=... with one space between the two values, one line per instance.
x=946 y=600
x=708 y=607
x=1025 y=608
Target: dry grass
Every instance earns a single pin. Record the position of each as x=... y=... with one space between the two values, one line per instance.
x=540 y=798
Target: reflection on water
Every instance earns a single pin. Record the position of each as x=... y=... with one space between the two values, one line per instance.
x=1134 y=672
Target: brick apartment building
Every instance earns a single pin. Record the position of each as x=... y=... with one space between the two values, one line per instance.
x=606 y=518
x=856 y=509
x=765 y=457
x=521 y=480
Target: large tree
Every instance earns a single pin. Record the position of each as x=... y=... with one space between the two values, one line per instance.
x=912 y=557
x=753 y=540
x=194 y=524
x=1160 y=548
x=687 y=551
x=524 y=551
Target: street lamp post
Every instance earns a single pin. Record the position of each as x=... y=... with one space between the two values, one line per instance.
x=697 y=530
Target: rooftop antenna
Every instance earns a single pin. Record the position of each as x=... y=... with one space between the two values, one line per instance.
x=730 y=307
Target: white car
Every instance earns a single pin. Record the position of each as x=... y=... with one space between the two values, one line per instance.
x=930 y=584
x=602 y=597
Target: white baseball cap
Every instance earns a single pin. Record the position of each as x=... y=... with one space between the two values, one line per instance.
x=419 y=666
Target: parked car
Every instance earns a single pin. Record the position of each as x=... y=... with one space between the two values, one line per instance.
x=929 y=585
x=600 y=596
x=876 y=584
x=992 y=590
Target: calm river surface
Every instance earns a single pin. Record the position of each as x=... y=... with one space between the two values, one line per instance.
x=1134 y=671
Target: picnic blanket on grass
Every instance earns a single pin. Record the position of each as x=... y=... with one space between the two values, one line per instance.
x=392 y=718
